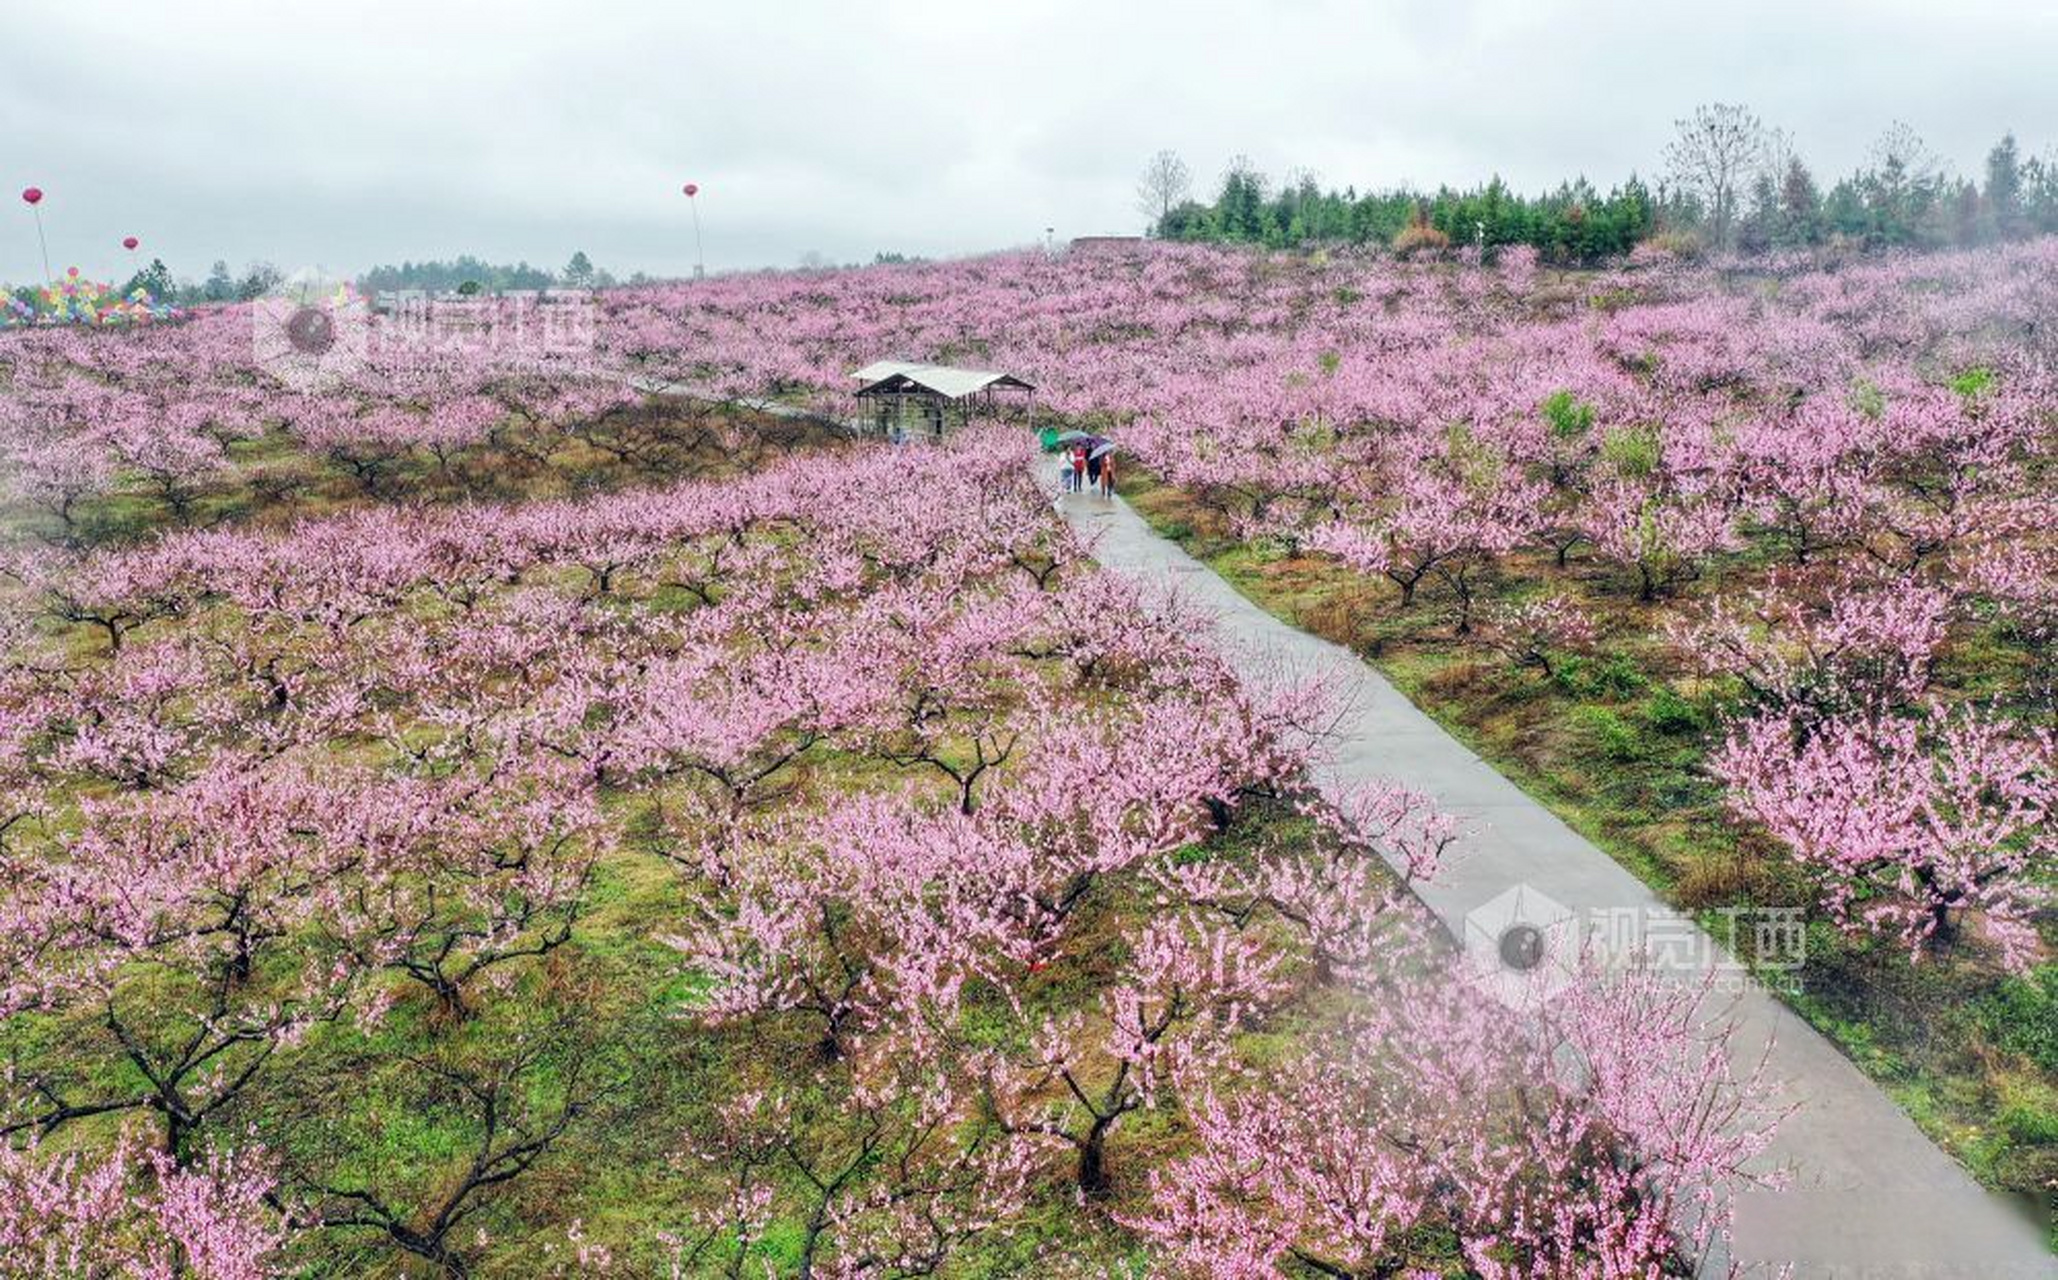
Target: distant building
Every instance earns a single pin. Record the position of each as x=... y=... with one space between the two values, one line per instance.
x=1103 y=243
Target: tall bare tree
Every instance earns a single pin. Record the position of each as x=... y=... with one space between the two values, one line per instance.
x=1718 y=150
x=1166 y=183
x=1905 y=186
x=1777 y=154
x=1901 y=153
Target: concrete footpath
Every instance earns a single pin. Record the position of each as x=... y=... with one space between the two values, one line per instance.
x=1871 y=1197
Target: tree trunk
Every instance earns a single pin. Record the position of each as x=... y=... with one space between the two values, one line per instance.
x=1093 y=1160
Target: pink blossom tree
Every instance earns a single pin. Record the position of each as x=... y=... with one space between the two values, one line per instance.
x=1912 y=823
x=1536 y=631
x=1605 y=1138
x=132 y=1214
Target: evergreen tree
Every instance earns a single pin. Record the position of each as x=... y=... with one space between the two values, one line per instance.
x=2004 y=189
x=259 y=278
x=220 y=285
x=1903 y=191
x=2040 y=196
x=155 y=279
x=1240 y=210
x=1800 y=207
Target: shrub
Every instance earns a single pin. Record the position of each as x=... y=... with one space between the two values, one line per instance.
x=1974 y=382
x=1569 y=418
x=1613 y=676
x=1608 y=733
x=2031 y=1117
x=1421 y=237
x=1634 y=451
x=1665 y=711
x=1667 y=246
x=2022 y=1016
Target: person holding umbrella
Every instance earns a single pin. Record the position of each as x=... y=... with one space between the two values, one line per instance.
x=1107 y=472
x=1070 y=446
x=1098 y=451
x=1079 y=467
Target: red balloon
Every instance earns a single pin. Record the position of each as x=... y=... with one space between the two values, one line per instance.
x=130 y=242
x=691 y=188
x=34 y=195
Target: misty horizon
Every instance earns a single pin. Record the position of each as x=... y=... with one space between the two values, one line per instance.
x=234 y=131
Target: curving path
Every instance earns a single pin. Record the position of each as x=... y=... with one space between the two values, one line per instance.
x=1872 y=1197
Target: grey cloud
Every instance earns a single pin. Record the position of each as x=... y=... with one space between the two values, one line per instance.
x=348 y=134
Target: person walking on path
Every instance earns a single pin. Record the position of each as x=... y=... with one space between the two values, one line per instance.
x=1078 y=468
x=1107 y=474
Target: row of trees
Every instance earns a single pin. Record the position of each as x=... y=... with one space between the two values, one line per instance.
x=464 y=273
x=222 y=284
x=438 y=276
x=1576 y=222
x=1729 y=183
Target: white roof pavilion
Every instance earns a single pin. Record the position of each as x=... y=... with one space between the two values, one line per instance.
x=885 y=377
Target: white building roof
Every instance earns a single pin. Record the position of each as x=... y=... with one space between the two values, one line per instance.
x=948 y=382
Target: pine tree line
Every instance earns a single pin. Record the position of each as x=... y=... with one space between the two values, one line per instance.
x=1729 y=184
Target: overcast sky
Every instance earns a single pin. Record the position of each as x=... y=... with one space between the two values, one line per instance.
x=353 y=132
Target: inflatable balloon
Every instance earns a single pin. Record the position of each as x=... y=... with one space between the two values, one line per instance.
x=130 y=242
x=34 y=195
x=691 y=188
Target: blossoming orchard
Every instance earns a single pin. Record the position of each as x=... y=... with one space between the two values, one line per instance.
x=473 y=814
